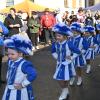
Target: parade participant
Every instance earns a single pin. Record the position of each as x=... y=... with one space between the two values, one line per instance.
x=82 y=45
x=90 y=53
x=97 y=39
x=59 y=16
x=21 y=73
x=62 y=53
x=3 y=32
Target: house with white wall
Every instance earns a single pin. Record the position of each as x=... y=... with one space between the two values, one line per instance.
x=63 y=4
x=2 y=4
x=55 y=4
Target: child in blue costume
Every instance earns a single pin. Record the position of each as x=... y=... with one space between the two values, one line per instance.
x=3 y=32
x=62 y=53
x=97 y=39
x=90 y=53
x=82 y=45
x=21 y=73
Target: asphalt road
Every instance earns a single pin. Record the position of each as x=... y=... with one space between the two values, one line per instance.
x=45 y=88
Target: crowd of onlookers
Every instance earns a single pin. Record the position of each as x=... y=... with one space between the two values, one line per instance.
x=39 y=25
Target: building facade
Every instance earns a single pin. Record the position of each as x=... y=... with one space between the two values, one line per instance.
x=64 y=4
x=97 y=1
x=91 y=2
x=12 y=2
x=2 y=4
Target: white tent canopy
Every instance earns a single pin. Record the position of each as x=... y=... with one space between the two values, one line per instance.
x=93 y=8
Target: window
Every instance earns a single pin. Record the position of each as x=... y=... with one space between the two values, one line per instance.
x=80 y=3
x=9 y=3
x=74 y=3
x=66 y=3
x=91 y=2
x=32 y=0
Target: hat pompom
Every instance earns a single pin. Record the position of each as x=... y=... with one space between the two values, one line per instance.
x=89 y=29
x=62 y=29
x=20 y=43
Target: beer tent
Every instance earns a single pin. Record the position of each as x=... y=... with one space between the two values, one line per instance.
x=26 y=6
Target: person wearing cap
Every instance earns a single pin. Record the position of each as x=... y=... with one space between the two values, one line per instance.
x=34 y=27
x=61 y=51
x=90 y=53
x=21 y=73
x=3 y=33
x=82 y=45
x=47 y=22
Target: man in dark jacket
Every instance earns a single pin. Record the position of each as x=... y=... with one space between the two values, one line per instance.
x=13 y=22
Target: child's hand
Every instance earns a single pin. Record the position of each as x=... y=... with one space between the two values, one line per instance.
x=11 y=26
x=68 y=57
x=18 y=86
x=92 y=47
x=16 y=25
x=1 y=30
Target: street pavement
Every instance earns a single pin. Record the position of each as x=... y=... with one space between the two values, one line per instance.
x=45 y=88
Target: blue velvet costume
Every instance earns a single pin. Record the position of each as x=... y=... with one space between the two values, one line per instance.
x=65 y=68
x=90 y=53
x=23 y=72
x=82 y=45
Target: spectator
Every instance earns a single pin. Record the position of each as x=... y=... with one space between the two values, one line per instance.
x=89 y=19
x=13 y=22
x=24 y=27
x=81 y=16
x=97 y=14
x=74 y=19
x=47 y=22
x=72 y=14
x=34 y=26
x=66 y=17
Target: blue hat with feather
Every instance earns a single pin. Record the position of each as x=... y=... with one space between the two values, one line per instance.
x=62 y=29
x=19 y=43
x=98 y=27
x=75 y=26
x=89 y=29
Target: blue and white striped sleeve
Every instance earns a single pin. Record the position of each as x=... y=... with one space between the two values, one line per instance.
x=30 y=71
